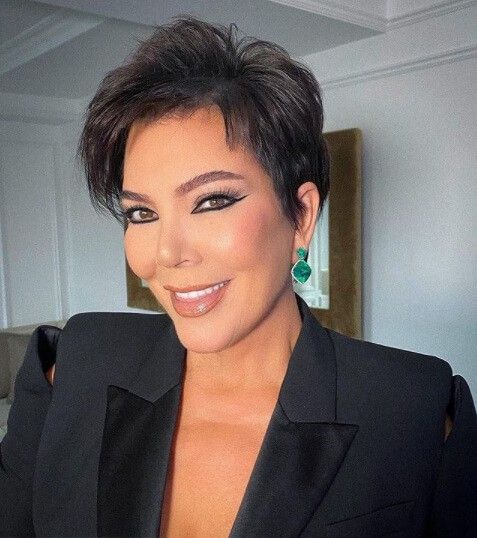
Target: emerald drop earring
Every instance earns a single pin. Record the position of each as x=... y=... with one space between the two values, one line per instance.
x=301 y=271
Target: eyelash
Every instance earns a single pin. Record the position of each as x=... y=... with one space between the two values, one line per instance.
x=226 y=194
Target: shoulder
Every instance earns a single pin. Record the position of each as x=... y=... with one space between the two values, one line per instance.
x=112 y=322
x=104 y=341
x=390 y=375
x=370 y=355
x=127 y=328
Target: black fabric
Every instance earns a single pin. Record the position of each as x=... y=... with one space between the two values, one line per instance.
x=32 y=395
x=355 y=445
x=133 y=462
x=455 y=498
x=46 y=346
x=292 y=474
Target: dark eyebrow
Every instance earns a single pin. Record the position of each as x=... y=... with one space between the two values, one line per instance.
x=136 y=196
x=202 y=179
x=184 y=188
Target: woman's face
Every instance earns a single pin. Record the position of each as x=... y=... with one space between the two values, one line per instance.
x=185 y=238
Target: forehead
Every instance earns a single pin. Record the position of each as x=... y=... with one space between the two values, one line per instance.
x=178 y=128
x=172 y=155
x=182 y=146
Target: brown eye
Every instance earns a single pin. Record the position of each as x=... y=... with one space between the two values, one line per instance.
x=138 y=215
x=143 y=214
x=216 y=202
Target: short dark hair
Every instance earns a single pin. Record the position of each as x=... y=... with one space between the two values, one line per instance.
x=271 y=105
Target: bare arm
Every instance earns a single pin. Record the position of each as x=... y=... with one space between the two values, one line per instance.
x=50 y=374
x=448 y=426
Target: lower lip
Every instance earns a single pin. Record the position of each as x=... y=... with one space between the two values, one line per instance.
x=191 y=308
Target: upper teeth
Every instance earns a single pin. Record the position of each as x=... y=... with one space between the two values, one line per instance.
x=199 y=293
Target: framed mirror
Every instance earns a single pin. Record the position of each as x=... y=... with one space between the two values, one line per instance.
x=333 y=290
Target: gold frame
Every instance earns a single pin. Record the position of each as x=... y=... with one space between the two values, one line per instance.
x=344 y=314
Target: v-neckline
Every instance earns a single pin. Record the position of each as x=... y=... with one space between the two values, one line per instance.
x=301 y=452
x=169 y=478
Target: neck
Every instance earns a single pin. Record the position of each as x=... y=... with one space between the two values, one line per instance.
x=255 y=363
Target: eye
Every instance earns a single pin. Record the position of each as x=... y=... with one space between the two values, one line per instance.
x=218 y=200
x=138 y=215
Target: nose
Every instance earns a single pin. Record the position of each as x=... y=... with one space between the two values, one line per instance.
x=172 y=244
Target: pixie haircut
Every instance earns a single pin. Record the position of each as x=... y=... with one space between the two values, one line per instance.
x=271 y=106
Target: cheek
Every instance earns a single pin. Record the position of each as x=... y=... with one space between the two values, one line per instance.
x=255 y=237
x=139 y=247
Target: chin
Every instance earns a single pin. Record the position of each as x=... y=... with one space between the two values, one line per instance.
x=202 y=342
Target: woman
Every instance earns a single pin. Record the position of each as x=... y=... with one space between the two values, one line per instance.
x=237 y=413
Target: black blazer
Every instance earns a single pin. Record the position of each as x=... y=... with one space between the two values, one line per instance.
x=354 y=448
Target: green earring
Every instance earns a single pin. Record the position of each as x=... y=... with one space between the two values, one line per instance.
x=301 y=271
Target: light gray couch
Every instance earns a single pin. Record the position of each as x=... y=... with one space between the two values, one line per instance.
x=13 y=346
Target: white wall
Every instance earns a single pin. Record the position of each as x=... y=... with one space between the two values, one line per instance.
x=58 y=257
x=419 y=193
x=28 y=224
x=95 y=260
x=419 y=184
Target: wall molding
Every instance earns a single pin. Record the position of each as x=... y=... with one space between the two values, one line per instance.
x=61 y=290
x=376 y=21
x=48 y=33
x=55 y=111
x=398 y=68
x=336 y=10
x=437 y=10
x=63 y=229
x=48 y=137
x=4 y=314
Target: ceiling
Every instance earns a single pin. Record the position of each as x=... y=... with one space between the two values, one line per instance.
x=63 y=48
x=49 y=49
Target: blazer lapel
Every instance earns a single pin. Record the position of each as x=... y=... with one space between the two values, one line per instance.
x=302 y=451
x=303 y=447
x=137 y=438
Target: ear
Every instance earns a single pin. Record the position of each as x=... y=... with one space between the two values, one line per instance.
x=310 y=197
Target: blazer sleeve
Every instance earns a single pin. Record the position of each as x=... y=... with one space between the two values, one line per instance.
x=454 y=510
x=18 y=449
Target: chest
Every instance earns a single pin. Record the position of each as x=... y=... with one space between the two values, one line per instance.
x=210 y=466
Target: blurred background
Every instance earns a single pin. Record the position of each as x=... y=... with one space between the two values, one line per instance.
x=402 y=71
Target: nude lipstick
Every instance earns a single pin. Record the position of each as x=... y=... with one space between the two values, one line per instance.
x=198 y=302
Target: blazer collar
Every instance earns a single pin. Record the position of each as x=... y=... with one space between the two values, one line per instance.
x=301 y=453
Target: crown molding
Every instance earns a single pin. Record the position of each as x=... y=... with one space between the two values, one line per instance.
x=47 y=34
x=397 y=68
x=370 y=19
x=57 y=111
x=436 y=10
x=336 y=10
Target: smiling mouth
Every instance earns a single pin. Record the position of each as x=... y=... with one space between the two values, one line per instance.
x=188 y=295
x=198 y=302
